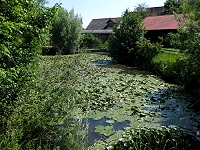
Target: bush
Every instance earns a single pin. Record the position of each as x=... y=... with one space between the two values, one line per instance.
x=187 y=40
x=24 y=27
x=90 y=41
x=169 y=71
x=146 y=52
x=126 y=44
x=156 y=139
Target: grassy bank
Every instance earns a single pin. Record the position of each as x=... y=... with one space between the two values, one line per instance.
x=168 y=55
x=169 y=64
x=41 y=116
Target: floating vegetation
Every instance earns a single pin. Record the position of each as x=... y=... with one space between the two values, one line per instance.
x=118 y=94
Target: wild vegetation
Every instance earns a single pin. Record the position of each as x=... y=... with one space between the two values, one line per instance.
x=40 y=118
x=36 y=99
x=154 y=139
x=126 y=44
x=66 y=37
x=47 y=102
x=187 y=40
x=90 y=41
x=24 y=27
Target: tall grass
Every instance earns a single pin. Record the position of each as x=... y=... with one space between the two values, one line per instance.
x=41 y=118
x=155 y=139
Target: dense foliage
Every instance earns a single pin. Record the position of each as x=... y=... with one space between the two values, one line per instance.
x=35 y=99
x=187 y=40
x=24 y=27
x=66 y=32
x=90 y=41
x=155 y=139
x=127 y=45
x=40 y=119
x=172 y=6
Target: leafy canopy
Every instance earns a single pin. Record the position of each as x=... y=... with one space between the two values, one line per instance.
x=66 y=31
x=126 y=43
x=188 y=40
x=173 y=6
x=24 y=26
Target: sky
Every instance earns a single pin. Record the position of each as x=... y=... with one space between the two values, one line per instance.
x=94 y=9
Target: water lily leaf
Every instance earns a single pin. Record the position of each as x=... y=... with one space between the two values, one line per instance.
x=96 y=115
x=115 y=137
x=110 y=121
x=104 y=130
x=120 y=118
x=98 y=145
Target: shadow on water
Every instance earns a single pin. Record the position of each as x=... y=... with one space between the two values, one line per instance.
x=123 y=68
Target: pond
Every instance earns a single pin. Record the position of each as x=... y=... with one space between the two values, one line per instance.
x=121 y=98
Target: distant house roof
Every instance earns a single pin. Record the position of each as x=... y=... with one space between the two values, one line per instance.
x=165 y=22
x=155 y=10
x=100 y=24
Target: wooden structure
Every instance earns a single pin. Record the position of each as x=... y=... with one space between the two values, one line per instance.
x=101 y=28
x=160 y=26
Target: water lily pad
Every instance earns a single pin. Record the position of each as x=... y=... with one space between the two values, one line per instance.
x=110 y=121
x=109 y=89
x=96 y=115
x=104 y=130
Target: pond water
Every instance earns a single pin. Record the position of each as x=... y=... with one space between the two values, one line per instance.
x=126 y=98
x=93 y=124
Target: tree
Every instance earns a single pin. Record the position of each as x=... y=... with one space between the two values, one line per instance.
x=142 y=9
x=24 y=26
x=126 y=43
x=188 y=40
x=173 y=6
x=66 y=31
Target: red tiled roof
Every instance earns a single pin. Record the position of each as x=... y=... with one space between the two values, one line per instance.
x=165 y=22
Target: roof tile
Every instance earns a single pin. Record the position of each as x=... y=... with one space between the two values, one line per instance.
x=164 y=22
x=99 y=24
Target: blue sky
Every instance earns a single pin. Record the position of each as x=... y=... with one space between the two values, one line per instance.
x=92 y=9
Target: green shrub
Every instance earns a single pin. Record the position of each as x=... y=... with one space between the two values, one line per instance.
x=66 y=32
x=90 y=41
x=155 y=139
x=24 y=27
x=126 y=44
x=187 y=40
x=146 y=51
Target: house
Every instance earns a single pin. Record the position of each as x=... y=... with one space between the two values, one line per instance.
x=157 y=25
x=160 y=26
x=155 y=11
x=101 y=28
